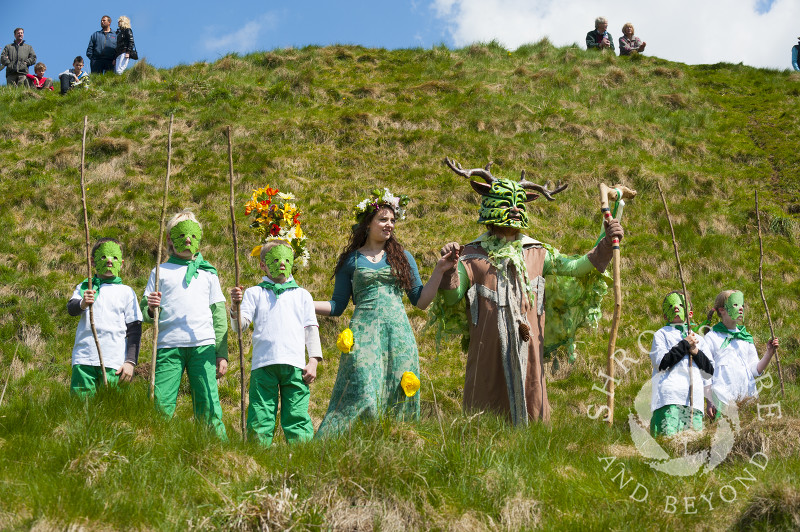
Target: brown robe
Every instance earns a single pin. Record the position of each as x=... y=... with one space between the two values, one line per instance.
x=504 y=373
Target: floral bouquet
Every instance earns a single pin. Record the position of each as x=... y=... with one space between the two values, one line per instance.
x=378 y=198
x=277 y=218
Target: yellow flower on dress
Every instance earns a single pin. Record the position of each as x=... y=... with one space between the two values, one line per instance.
x=345 y=341
x=410 y=383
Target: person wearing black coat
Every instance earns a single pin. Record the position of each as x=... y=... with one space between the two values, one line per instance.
x=126 y=48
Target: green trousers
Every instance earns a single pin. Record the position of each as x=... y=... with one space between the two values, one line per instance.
x=200 y=364
x=672 y=419
x=267 y=384
x=87 y=379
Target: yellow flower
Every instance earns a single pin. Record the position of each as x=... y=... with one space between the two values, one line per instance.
x=410 y=383
x=298 y=232
x=345 y=341
x=256 y=252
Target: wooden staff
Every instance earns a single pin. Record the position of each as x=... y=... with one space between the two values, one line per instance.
x=158 y=261
x=761 y=288
x=685 y=299
x=88 y=253
x=236 y=305
x=607 y=193
x=8 y=377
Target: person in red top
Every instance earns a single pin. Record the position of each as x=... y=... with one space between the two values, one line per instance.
x=39 y=81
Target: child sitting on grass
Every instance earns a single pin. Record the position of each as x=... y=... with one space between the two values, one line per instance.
x=669 y=354
x=285 y=325
x=192 y=321
x=73 y=77
x=734 y=354
x=39 y=81
x=117 y=319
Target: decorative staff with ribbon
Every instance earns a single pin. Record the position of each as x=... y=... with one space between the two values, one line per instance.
x=158 y=261
x=761 y=288
x=618 y=193
x=88 y=252
x=236 y=283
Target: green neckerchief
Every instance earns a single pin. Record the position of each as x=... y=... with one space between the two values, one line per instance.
x=97 y=282
x=741 y=334
x=499 y=249
x=197 y=263
x=680 y=326
x=277 y=288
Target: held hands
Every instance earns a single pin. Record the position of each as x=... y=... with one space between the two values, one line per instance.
x=310 y=371
x=222 y=367
x=450 y=254
x=88 y=299
x=125 y=372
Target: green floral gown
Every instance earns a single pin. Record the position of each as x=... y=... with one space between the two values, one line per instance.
x=368 y=382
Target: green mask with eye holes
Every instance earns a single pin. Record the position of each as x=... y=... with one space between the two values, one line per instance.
x=277 y=256
x=105 y=251
x=734 y=304
x=179 y=233
x=668 y=307
x=497 y=204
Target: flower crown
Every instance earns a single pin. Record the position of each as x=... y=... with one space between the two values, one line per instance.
x=276 y=218
x=378 y=198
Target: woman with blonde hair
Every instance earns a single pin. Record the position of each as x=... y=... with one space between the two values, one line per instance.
x=126 y=48
x=628 y=43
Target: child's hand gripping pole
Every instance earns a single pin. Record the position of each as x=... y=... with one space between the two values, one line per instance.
x=618 y=193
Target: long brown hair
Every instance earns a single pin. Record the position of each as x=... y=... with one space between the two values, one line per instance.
x=395 y=254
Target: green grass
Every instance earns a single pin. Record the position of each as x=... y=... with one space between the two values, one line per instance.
x=329 y=124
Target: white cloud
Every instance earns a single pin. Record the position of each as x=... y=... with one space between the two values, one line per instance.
x=242 y=41
x=689 y=31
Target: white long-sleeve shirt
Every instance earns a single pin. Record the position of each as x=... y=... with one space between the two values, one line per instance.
x=735 y=368
x=671 y=386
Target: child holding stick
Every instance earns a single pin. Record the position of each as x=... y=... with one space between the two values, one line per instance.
x=193 y=326
x=672 y=345
x=118 y=322
x=285 y=325
x=734 y=353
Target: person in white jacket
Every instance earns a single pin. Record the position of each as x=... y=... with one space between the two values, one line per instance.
x=673 y=410
x=734 y=353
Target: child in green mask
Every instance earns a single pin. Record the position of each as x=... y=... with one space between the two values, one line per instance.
x=734 y=353
x=284 y=327
x=117 y=319
x=192 y=324
x=669 y=354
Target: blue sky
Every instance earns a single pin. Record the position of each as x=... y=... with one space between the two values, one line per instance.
x=171 y=32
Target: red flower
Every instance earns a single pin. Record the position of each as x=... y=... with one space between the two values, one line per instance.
x=247 y=211
x=296 y=218
x=272 y=191
x=275 y=229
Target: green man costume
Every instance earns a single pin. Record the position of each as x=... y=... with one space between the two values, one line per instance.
x=502 y=281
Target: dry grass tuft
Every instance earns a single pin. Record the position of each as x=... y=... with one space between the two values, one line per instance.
x=261 y=510
x=143 y=71
x=477 y=50
x=94 y=463
x=777 y=438
x=108 y=147
x=66 y=157
x=520 y=513
x=675 y=101
x=665 y=72
x=777 y=508
x=435 y=86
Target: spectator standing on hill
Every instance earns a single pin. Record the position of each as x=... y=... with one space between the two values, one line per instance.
x=17 y=57
x=74 y=76
x=39 y=81
x=795 y=54
x=599 y=38
x=628 y=43
x=126 y=49
x=102 y=48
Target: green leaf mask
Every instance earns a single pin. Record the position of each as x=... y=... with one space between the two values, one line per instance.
x=673 y=306
x=181 y=230
x=735 y=306
x=108 y=250
x=496 y=206
x=277 y=256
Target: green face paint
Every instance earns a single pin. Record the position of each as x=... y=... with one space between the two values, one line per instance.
x=673 y=306
x=504 y=205
x=735 y=306
x=181 y=231
x=279 y=256
x=104 y=252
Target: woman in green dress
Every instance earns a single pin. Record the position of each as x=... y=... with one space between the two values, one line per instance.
x=374 y=270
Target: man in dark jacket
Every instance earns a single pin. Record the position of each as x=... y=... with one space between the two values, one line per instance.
x=17 y=57
x=599 y=38
x=102 y=48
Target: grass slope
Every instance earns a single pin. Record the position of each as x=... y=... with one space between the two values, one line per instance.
x=329 y=124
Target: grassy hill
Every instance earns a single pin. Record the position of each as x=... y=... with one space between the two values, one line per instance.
x=330 y=124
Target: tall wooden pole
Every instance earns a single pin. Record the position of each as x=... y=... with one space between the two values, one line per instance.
x=158 y=261
x=613 y=193
x=88 y=252
x=761 y=288
x=685 y=299
x=236 y=306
